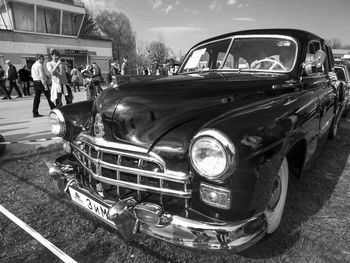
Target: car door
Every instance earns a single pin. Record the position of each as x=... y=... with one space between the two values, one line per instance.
x=315 y=78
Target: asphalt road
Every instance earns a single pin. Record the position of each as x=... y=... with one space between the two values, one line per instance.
x=17 y=123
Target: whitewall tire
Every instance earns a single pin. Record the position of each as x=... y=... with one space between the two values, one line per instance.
x=275 y=207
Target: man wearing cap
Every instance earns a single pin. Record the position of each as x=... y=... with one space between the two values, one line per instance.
x=12 y=76
x=40 y=85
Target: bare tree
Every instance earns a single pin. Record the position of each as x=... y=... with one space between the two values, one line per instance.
x=158 y=52
x=334 y=43
x=142 y=58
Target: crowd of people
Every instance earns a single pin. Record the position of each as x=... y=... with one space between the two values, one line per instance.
x=168 y=68
x=55 y=80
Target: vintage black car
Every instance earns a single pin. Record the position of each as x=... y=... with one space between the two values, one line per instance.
x=203 y=159
x=343 y=75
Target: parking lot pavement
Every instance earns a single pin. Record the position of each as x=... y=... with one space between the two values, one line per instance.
x=17 y=123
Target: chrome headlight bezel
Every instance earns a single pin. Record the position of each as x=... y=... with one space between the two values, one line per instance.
x=56 y=119
x=228 y=148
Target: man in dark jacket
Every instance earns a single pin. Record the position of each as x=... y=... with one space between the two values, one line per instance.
x=12 y=76
x=25 y=78
x=3 y=85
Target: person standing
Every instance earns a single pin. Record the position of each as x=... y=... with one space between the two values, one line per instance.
x=40 y=85
x=12 y=76
x=75 y=78
x=87 y=75
x=25 y=78
x=114 y=70
x=3 y=85
x=96 y=77
x=57 y=70
x=125 y=67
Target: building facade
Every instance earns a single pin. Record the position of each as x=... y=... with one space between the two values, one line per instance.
x=30 y=27
x=341 y=54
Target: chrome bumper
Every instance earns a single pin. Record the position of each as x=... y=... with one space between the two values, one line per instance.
x=177 y=230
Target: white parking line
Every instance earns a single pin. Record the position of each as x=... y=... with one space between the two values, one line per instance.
x=59 y=253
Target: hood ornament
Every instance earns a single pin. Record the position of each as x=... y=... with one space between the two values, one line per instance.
x=98 y=126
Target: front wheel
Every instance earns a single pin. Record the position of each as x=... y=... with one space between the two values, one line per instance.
x=2 y=146
x=275 y=206
x=346 y=111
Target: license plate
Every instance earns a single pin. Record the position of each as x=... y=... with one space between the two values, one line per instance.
x=97 y=208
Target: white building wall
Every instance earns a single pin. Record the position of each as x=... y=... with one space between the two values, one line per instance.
x=38 y=48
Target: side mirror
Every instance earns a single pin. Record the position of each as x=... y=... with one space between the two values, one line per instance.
x=320 y=56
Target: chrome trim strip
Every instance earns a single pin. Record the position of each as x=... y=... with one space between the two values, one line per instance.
x=102 y=142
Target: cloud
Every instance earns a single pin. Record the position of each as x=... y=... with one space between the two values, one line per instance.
x=168 y=9
x=232 y=2
x=215 y=6
x=174 y=29
x=94 y=6
x=242 y=5
x=156 y=3
x=195 y=12
x=244 y=19
x=191 y=11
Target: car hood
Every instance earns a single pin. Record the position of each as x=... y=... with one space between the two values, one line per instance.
x=141 y=112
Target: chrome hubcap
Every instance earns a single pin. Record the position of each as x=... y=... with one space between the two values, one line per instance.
x=276 y=194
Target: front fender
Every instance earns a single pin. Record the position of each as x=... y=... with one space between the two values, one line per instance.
x=78 y=118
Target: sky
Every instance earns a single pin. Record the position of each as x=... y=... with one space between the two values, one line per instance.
x=183 y=23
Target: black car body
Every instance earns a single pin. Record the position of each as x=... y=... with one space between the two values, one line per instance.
x=202 y=159
x=343 y=75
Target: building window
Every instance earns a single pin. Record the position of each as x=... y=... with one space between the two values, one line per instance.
x=5 y=22
x=48 y=20
x=71 y=23
x=23 y=16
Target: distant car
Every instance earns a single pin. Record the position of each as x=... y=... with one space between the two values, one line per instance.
x=343 y=75
x=203 y=159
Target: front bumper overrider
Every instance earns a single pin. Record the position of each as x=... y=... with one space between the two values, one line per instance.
x=233 y=236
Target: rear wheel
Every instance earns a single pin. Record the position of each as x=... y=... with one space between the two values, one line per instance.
x=275 y=206
x=333 y=129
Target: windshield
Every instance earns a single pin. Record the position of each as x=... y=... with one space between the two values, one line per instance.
x=275 y=54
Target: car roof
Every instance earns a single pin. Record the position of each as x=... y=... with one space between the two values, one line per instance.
x=300 y=35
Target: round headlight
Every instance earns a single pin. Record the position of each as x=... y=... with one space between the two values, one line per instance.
x=212 y=154
x=57 y=123
x=208 y=157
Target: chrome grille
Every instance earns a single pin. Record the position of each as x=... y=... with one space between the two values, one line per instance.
x=139 y=171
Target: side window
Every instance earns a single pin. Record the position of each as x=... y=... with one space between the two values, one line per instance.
x=229 y=63
x=313 y=67
x=203 y=63
x=340 y=74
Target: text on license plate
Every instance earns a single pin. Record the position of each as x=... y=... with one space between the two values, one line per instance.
x=98 y=209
